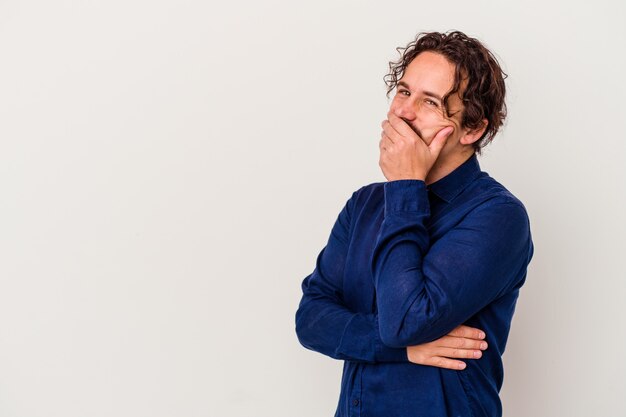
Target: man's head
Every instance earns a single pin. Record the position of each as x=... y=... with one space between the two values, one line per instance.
x=449 y=79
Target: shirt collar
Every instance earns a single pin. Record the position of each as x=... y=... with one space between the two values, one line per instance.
x=448 y=187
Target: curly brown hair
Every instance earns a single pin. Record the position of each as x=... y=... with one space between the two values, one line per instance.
x=483 y=97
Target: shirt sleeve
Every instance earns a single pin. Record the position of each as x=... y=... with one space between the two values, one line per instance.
x=424 y=291
x=323 y=322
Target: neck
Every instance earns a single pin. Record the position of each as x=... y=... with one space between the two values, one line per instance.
x=444 y=166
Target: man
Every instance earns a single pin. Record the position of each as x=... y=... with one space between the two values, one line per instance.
x=425 y=269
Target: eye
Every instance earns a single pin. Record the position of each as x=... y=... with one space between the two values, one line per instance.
x=432 y=103
x=404 y=91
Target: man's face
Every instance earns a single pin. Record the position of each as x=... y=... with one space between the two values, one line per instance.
x=418 y=100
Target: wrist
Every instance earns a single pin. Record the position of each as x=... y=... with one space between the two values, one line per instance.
x=414 y=176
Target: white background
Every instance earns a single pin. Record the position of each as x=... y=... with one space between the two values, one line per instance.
x=169 y=171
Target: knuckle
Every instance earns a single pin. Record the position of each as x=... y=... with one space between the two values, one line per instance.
x=459 y=331
x=448 y=340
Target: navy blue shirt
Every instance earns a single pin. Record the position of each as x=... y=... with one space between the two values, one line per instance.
x=405 y=264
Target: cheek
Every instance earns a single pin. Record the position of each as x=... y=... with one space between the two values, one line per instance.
x=430 y=114
x=432 y=121
x=395 y=103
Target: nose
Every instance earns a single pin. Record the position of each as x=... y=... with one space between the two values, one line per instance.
x=405 y=110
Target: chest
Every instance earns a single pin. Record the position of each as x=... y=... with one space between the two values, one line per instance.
x=358 y=282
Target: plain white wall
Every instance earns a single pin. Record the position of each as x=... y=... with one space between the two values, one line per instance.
x=169 y=170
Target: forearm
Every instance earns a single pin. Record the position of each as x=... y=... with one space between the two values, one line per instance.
x=333 y=330
x=323 y=322
x=425 y=289
x=407 y=308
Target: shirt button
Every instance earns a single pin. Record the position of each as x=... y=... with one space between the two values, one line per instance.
x=355 y=402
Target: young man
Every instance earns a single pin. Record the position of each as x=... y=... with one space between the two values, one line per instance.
x=425 y=268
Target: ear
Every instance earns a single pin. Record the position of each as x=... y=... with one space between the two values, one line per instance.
x=472 y=136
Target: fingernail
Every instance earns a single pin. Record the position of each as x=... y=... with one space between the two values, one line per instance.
x=483 y=345
x=462 y=365
x=477 y=353
x=481 y=335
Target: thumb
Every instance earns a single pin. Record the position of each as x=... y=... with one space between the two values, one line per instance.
x=439 y=140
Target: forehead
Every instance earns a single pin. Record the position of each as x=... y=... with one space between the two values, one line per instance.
x=429 y=71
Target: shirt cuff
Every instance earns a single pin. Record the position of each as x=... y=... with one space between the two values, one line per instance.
x=386 y=353
x=361 y=341
x=406 y=195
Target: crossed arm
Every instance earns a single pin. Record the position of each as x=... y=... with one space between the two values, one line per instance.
x=416 y=286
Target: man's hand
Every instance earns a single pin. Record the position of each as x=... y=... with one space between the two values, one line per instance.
x=405 y=155
x=462 y=342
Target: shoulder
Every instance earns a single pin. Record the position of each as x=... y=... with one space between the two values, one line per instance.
x=498 y=211
x=494 y=196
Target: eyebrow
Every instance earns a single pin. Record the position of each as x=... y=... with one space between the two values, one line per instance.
x=426 y=93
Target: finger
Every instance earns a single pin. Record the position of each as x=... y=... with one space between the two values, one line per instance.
x=401 y=126
x=467 y=331
x=462 y=343
x=385 y=143
x=447 y=363
x=384 y=134
x=439 y=140
x=460 y=353
x=392 y=133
